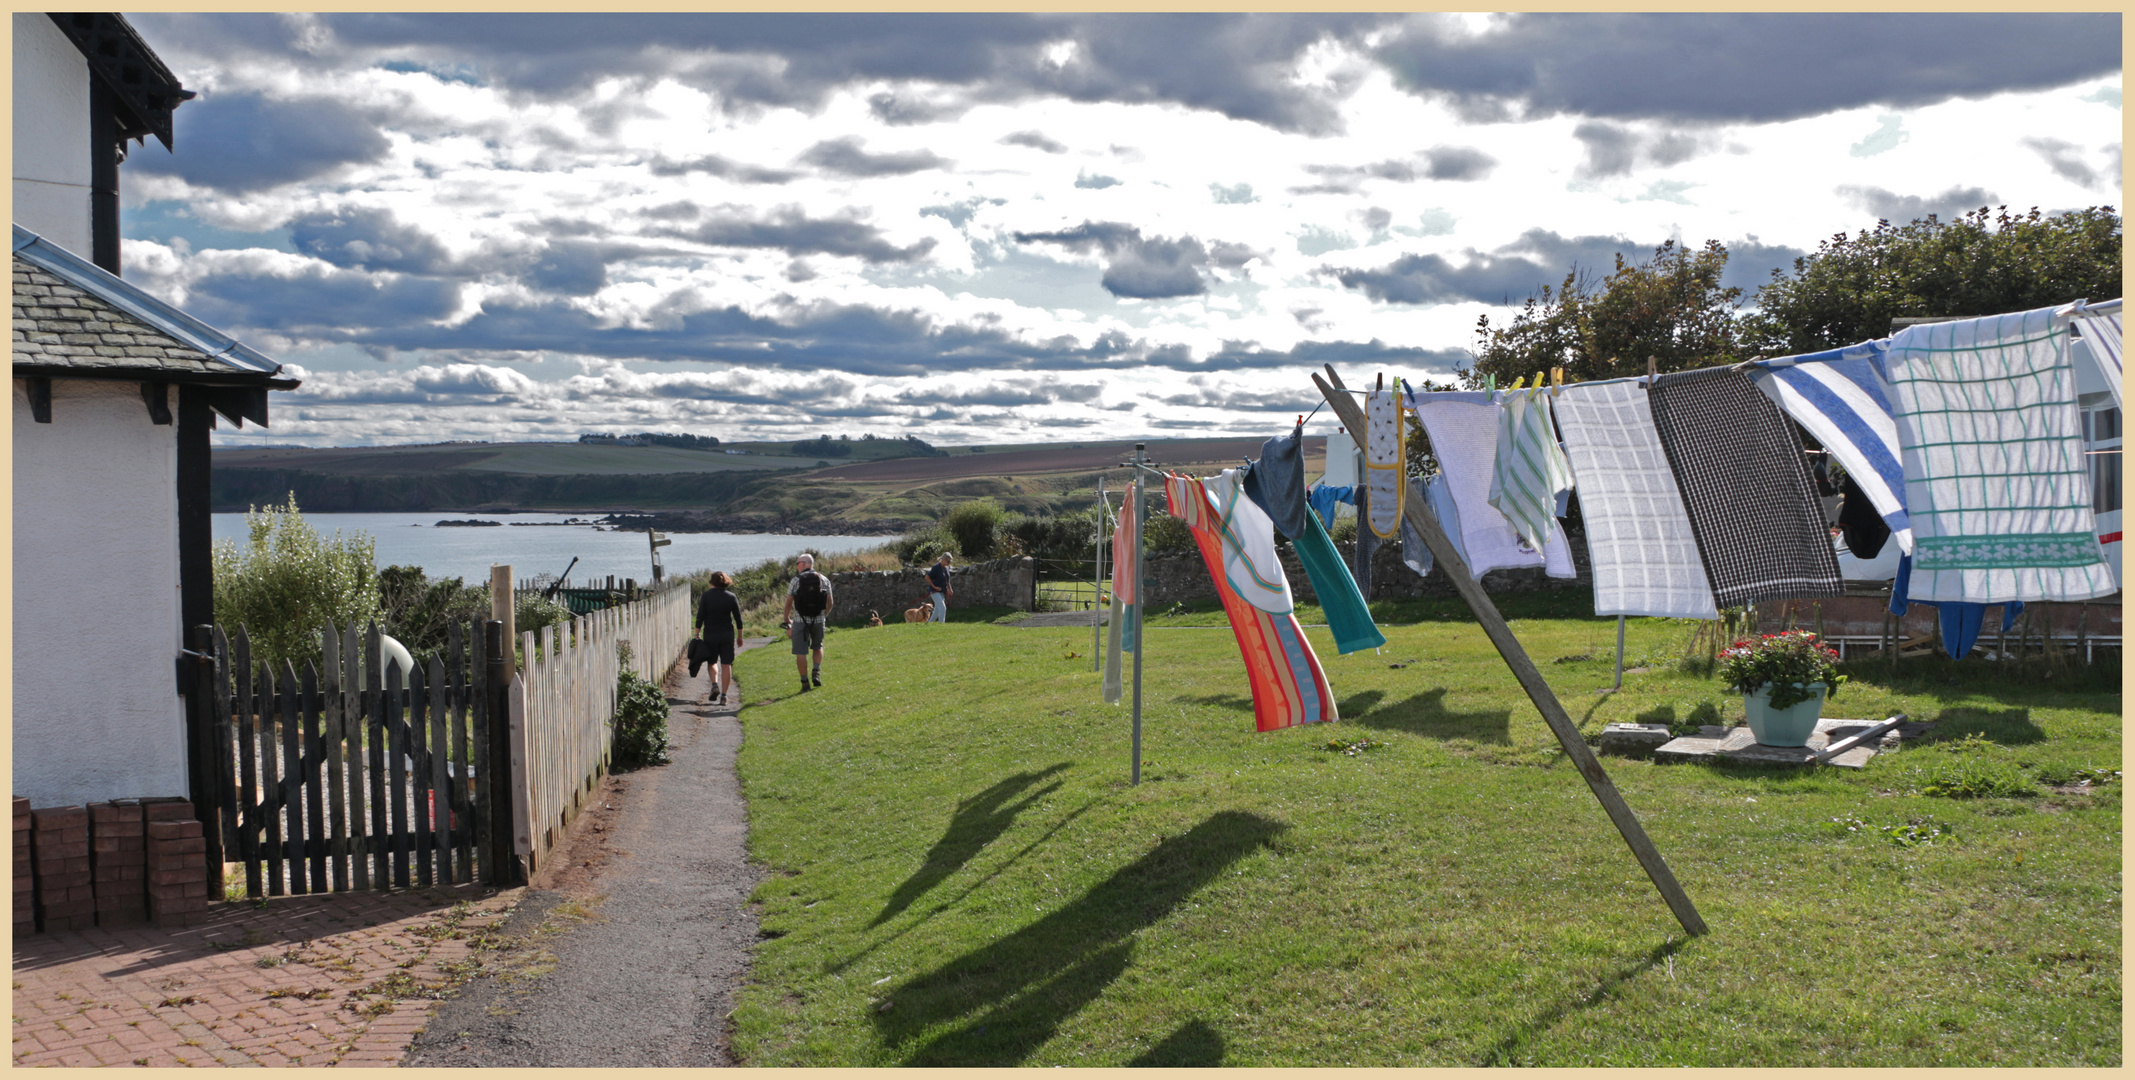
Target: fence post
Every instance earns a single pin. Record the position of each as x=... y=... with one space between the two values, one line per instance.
x=211 y=771
x=497 y=771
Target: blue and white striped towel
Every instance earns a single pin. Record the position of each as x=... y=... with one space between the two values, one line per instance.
x=2101 y=333
x=1841 y=398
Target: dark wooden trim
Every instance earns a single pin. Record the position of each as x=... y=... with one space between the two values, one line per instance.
x=238 y=404
x=40 y=391
x=196 y=579
x=141 y=91
x=106 y=146
x=175 y=376
x=158 y=397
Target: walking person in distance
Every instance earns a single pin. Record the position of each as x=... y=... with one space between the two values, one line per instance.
x=808 y=603
x=938 y=589
x=719 y=624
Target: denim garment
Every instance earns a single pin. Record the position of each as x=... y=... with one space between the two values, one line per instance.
x=1276 y=483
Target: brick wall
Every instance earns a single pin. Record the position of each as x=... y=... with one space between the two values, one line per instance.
x=1009 y=583
x=1183 y=576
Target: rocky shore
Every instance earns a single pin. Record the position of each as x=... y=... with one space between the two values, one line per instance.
x=698 y=522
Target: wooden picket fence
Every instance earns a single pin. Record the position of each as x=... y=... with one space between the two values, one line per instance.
x=563 y=705
x=340 y=778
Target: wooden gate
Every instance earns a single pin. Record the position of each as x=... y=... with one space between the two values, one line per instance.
x=342 y=778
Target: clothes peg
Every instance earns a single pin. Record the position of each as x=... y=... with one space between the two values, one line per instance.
x=1490 y=382
x=1653 y=370
x=1556 y=380
x=1382 y=381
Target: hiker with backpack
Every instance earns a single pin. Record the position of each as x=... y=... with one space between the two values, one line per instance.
x=808 y=603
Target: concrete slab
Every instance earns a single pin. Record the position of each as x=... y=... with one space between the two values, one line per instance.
x=1736 y=744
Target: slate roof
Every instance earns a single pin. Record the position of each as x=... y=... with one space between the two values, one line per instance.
x=74 y=319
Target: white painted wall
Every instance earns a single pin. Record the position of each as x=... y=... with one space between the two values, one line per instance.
x=96 y=710
x=51 y=133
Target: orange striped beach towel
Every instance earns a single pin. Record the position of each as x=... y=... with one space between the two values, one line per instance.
x=1289 y=688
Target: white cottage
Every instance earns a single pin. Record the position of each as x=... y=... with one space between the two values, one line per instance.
x=115 y=392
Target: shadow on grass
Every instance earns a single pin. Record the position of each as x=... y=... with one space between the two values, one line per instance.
x=1508 y=1050
x=1033 y=980
x=1232 y=702
x=978 y=821
x=1706 y=713
x=1426 y=714
x=1193 y=1045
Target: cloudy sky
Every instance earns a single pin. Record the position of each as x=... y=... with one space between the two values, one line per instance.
x=1021 y=228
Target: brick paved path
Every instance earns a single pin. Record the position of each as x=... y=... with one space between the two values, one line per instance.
x=343 y=979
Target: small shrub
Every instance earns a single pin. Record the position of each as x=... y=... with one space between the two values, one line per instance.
x=1164 y=534
x=973 y=526
x=417 y=609
x=1978 y=777
x=1785 y=664
x=640 y=720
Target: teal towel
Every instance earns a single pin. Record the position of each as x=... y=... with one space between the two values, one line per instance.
x=1344 y=606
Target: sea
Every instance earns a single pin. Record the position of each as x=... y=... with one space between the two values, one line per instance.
x=544 y=544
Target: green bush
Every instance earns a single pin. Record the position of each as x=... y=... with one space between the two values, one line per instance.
x=1344 y=530
x=972 y=525
x=417 y=609
x=1165 y=535
x=640 y=720
x=286 y=582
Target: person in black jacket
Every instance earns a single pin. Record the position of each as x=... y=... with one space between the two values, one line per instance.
x=718 y=623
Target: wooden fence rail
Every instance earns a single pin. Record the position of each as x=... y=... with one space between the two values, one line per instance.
x=563 y=706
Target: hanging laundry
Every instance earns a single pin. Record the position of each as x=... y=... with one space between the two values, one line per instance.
x=1126 y=577
x=1385 y=461
x=2101 y=335
x=1276 y=483
x=1285 y=677
x=1995 y=398
x=1438 y=495
x=1127 y=570
x=1839 y=396
x=1414 y=553
x=1323 y=498
x=1250 y=564
x=1864 y=529
x=1529 y=472
x=1462 y=426
x=1745 y=483
x=1638 y=538
x=1367 y=547
x=1960 y=622
x=1348 y=618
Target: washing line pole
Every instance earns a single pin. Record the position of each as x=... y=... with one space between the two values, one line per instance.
x=1141 y=600
x=1619 y=652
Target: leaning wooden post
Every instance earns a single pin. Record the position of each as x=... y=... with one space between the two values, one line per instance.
x=502 y=601
x=1545 y=700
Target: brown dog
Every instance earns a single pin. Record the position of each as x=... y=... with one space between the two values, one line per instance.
x=918 y=614
x=874 y=618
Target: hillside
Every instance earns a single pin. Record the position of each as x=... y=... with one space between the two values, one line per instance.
x=761 y=490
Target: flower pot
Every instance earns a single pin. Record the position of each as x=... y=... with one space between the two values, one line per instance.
x=1790 y=726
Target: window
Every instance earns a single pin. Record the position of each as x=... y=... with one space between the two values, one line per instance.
x=2101 y=437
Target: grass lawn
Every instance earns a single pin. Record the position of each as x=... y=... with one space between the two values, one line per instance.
x=960 y=874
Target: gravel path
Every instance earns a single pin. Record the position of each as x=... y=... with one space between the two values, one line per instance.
x=642 y=932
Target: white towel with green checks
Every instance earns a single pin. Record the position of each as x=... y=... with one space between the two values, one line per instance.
x=1530 y=469
x=1995 y=478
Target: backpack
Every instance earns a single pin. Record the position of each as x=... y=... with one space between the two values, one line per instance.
x=809 y=596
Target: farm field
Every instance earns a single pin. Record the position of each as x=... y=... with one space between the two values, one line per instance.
x=998 y=895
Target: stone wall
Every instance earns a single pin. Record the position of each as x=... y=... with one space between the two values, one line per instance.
x=1176 y=577
x=1009 y=583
